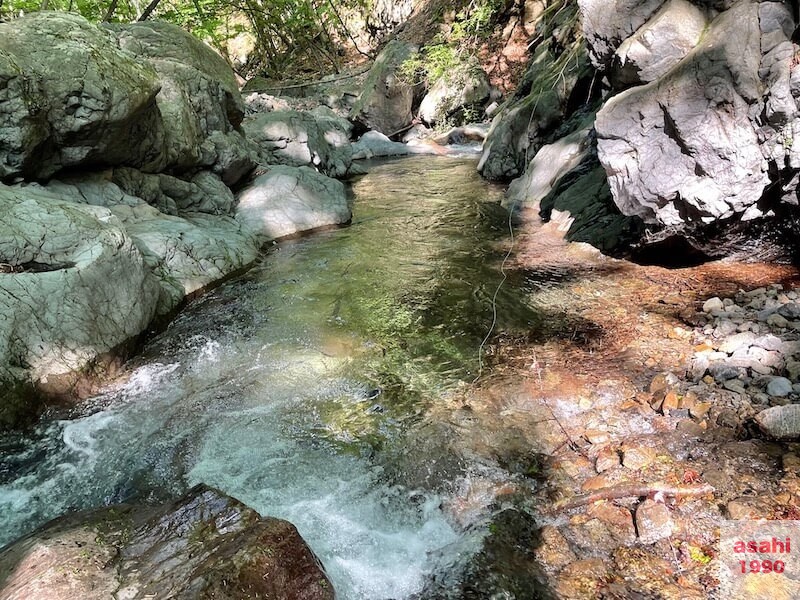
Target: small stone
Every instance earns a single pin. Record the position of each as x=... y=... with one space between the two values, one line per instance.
x=779 y=387
x=553 y=549
x=740 y=509
x=700 y=410
x=688 y=400
x=638 y=457
x=727 y=302
x=739 y=340
x=790 y=463
x=776 y=320
x=712 y=304
x=793 y=369
x=595 y=436
x=728 y=418
x=734 y=385
x=607 y=458
x=689 y=427
x=670 y=403
x=653 y=521
x=618 y=520
x=756 y=292
x=722 y=372
x=790 y=311
x=780 y=422
x=725 y=328
x=768 y=342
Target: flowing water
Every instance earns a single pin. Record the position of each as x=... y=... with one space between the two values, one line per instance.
x=289 y=386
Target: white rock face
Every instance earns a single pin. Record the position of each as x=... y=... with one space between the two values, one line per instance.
x=287 y=200
x=78 y=286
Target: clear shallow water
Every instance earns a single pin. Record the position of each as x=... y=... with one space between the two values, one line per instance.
x=285 y=387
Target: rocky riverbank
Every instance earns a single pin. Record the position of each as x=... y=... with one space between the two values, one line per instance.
x=651 y=413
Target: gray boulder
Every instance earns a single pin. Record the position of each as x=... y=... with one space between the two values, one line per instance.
x=374 y=144
x=287 y=200
x=74 y=288
x=70 y=97
x=386 y=100
x=607 y=23
x=199 y=101
x=531 y=118
x=659 y=44
x=187 y=253
x=297 y=139
x=463 y=88
x=550 y=164
x=683 y=148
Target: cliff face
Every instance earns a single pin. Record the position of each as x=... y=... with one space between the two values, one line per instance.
x=695 y=116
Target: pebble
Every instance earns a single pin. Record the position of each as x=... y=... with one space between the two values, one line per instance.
x=637 y=457
x=780 y=422
x=777 y=320
x=607 y=458
x=779 y=387
x=653 y=521
x=712 y=304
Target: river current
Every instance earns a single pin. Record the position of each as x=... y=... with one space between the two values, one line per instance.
x=288 y=387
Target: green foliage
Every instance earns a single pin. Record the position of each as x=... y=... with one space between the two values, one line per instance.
x=453 y=52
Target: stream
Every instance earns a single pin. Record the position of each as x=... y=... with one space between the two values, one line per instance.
x=294 y=386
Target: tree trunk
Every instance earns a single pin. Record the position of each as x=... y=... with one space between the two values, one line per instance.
x=149 y=10
x=110 y=12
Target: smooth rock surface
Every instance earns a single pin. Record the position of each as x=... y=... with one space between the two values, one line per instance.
x=287 y=200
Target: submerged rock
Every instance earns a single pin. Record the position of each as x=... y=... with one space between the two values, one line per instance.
x=205 y=545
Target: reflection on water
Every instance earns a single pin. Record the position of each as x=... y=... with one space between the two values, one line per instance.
x=282 y=387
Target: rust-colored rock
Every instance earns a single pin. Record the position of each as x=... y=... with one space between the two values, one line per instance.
x=205 y=545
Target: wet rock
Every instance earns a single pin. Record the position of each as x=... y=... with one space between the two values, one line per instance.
x=742 y=508
x=373 y=144
x=205 y=545
x=617 y=520
x=553 y=550
x=780 y=422
x=582 y=579
x=779 y=387
x=653 y=521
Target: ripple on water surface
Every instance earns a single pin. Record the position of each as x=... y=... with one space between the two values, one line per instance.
x=281 y=387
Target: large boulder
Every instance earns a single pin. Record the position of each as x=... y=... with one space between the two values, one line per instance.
x=73 y=288
x=317 y=139
x=685 y=148
x=463 y=89
x=659 y=44
x=199 y=101
x=186 y=253
x=206 y=546
x=607 y=23
x=287 y=200
x=386 y=100
x=70 y=97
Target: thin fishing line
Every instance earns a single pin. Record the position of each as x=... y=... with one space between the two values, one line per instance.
x=497 y=291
